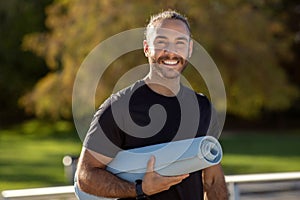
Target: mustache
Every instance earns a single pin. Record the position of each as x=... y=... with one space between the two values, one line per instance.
x=167 y=57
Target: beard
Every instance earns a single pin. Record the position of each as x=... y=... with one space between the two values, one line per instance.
x=166 y=72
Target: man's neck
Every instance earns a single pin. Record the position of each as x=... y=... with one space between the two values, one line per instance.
x=165 y=87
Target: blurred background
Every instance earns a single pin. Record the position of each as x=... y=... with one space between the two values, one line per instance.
x=255 y=44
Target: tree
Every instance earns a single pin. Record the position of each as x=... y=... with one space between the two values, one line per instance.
x=240 y=37
x=19 y=70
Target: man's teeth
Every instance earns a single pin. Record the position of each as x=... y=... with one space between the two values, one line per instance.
x=170 y=62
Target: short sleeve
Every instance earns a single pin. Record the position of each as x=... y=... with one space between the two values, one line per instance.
x=104 y=136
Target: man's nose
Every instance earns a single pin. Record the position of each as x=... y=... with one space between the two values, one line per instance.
x=170 y=48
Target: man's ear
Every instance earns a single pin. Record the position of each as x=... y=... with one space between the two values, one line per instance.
x=146 y=48
x=190 y=48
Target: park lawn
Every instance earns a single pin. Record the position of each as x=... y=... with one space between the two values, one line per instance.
x=261 y=152
x=31 y=154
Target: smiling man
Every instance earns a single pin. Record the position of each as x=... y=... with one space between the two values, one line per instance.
x=167 y=45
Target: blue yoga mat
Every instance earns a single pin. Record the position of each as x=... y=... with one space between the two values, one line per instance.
x=172 y=158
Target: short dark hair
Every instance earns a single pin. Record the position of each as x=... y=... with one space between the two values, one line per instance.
x=169 y=14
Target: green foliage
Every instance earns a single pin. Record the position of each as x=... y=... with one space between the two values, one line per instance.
x=19 y=70
x=241 y=36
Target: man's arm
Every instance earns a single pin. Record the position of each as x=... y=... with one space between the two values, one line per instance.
x=214 y=183
x=92 y=178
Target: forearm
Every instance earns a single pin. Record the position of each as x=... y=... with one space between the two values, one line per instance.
x=216 y=191
x=214 y=184
x=92 y=177
x=100 y=182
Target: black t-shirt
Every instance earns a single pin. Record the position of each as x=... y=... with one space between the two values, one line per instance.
x=137 y=116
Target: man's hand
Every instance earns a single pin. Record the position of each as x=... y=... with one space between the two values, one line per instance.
x=154 y=183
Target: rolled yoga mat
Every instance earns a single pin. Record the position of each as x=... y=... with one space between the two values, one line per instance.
x=171 y=159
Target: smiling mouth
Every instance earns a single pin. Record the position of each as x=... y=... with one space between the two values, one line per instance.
x=170 y=62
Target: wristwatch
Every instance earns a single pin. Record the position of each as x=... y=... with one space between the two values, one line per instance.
x=139 y=190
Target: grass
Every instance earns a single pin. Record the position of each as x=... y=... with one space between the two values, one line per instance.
x=31 y=154
x=261 y=152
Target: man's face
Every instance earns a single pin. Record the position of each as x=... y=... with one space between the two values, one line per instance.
x=167 y=47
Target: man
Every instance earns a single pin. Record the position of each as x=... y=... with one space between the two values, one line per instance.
x=167 y=46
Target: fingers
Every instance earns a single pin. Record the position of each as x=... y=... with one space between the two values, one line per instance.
x=176 y=179
x=183 y=176
x=154 y=183
x=166 y=182
x=150 y=168
x=150 y=165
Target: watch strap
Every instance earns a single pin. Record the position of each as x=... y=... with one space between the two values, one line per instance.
x=139 y=190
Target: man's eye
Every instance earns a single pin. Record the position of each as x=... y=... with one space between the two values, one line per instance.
x=161 y=42
x=180 y=43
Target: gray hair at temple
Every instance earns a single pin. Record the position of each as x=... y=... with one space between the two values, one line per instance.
x=169 y=14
